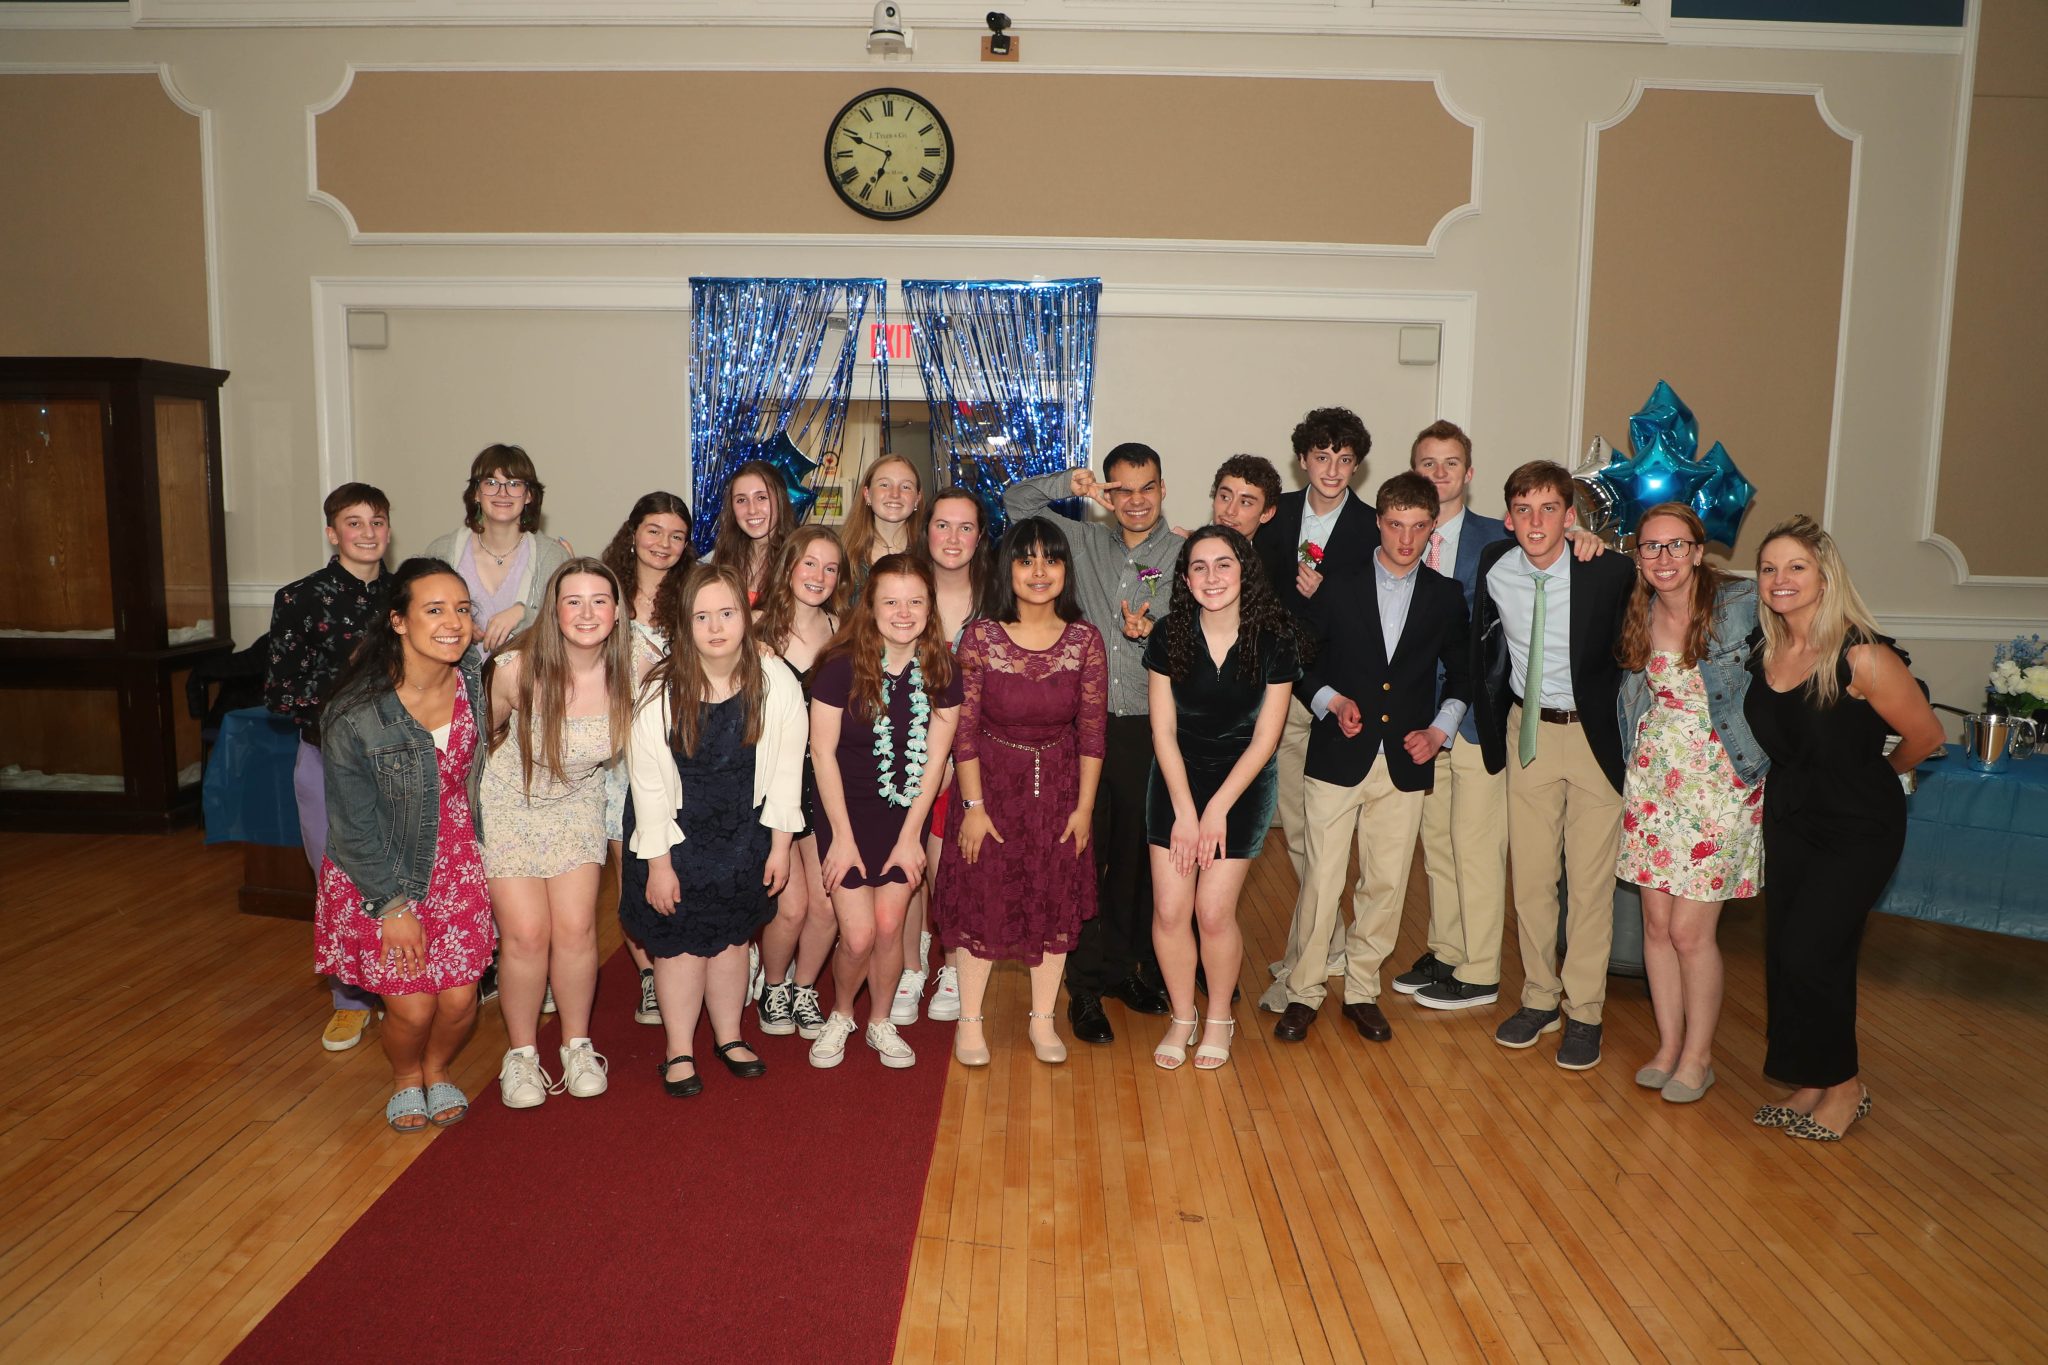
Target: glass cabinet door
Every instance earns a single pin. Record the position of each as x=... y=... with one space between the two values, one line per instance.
x=56 y=581
x=185 y=506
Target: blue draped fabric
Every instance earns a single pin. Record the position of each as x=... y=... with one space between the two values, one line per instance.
x=1009 y=371
x=754 y=348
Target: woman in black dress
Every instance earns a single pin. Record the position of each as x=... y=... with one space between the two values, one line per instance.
x=716 y=770
x=1222 y=669
x=1831 y=687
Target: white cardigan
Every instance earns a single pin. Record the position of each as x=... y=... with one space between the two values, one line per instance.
x=657 y=787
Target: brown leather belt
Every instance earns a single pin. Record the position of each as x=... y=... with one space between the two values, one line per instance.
x=1550 y=715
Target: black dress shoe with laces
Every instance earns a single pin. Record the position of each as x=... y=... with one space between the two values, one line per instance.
x=1139 y=995
x=1090 y=1024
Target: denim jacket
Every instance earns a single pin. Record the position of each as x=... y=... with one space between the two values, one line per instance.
x=1725 y=671
x=384 y=789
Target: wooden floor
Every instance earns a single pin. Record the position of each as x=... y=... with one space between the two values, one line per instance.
x=176 y=1150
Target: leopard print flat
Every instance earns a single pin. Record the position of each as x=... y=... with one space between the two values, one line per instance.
x=1805 y=1127
x=1776 y=1116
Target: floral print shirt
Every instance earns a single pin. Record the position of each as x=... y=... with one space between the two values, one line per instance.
x=315 y=624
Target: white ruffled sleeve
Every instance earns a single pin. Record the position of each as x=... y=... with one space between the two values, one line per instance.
x=656 y=787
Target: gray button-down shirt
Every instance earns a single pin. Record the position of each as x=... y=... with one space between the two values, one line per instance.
x=1107 y=575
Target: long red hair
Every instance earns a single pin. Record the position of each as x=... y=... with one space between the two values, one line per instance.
x=860 y=637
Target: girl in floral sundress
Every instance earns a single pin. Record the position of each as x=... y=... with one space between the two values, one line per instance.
x=1692 y=806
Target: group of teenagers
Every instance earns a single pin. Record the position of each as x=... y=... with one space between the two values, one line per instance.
x=819 y=751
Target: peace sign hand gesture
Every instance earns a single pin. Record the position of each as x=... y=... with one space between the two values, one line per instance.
x=1086 y=485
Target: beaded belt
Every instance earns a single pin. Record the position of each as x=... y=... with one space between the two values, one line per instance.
x=1036 y=751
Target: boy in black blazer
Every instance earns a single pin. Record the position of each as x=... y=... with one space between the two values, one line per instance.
x=1318 y=531
x=1544 y=626
x=1384 y=634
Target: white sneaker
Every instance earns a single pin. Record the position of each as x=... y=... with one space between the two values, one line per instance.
x=756 y=978
x=547 y=1001
x=830 y=1049
x=584 y=1070
x=945 y=1003
x=909 y=995
x=521 y=1082
x=896 y=1053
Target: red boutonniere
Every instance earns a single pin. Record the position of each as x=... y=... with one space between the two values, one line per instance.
x=1311 y=554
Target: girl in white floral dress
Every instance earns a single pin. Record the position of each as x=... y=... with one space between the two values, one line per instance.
x=1692 y=806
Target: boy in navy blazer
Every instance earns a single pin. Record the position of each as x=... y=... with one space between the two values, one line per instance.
x=1385 y=635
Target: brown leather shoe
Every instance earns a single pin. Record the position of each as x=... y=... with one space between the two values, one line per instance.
x=1294 y=1022
x=1372 y=1025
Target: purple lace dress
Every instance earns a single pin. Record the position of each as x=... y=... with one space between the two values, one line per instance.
x=1029 y=716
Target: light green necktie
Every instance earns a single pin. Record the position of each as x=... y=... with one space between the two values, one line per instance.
x=1532 y=686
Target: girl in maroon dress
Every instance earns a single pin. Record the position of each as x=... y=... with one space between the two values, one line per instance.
x=1017 y=882
x=883 y=704
x=403 y=909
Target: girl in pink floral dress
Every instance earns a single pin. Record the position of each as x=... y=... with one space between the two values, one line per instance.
x=1692 y=806
x=403 y=909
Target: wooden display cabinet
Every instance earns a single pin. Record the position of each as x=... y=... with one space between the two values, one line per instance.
x=114 y=587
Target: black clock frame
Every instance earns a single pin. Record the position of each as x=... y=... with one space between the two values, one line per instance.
x=938 y=187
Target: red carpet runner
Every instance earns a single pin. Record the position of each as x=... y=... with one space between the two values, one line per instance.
x=765 y=1220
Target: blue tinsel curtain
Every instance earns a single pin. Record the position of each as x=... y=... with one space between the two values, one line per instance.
x=754 y=347
x=1009 y=370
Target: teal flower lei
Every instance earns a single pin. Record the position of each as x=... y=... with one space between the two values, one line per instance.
x=915 y=749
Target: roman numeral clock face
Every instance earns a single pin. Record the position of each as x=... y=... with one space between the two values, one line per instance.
x=888 y=154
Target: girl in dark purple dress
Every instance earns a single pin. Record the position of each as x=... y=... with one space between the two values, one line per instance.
x=884 y=700
x=1017 y=881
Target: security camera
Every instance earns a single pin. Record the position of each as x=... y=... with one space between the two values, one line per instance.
x=999 y=43
x=888 y=33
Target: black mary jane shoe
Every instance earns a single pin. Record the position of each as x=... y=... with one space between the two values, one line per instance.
x=746 y=1071
x=692 y=1084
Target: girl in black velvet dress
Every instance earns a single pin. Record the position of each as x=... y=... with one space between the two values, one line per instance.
x=1223 y=664
x=1829 y=688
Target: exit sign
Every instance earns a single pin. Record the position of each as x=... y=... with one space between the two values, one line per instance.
x=897 y=339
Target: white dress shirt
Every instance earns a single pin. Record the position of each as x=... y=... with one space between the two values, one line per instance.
x=1447 y=549
x=1317 y=526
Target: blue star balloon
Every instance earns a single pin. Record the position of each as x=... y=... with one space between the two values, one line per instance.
x=1648 y=479
x=1723 y=498
x=792 y=464
x=1665 y=420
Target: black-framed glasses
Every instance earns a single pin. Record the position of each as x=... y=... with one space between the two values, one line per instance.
x=502 y=485
x=1657 y=549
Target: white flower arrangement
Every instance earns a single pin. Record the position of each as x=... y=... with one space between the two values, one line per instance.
x=2019 y=676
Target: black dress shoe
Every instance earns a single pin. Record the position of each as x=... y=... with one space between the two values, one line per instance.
x=1372 y=1025
x=1294 y=1022
x=1139 y=995
x=1090 y=1024
x=746 y=1070
x=692 y=1084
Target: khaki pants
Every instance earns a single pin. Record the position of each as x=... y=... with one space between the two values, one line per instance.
x=1384 y=820
x=1562 y=800
x=1292 y=758
x=1465 y=849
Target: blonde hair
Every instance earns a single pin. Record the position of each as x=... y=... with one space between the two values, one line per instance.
x=861 y=535
x=1840 y=619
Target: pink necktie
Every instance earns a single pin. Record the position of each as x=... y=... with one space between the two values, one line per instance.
x=1436 y=545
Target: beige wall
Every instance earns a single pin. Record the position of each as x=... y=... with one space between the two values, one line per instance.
x=1518 y=258
x=102 y=240
x=1991 y=428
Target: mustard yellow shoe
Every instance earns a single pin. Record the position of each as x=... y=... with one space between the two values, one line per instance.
x=344 y=1030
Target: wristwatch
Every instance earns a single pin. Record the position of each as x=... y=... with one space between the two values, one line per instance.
x=965 y=804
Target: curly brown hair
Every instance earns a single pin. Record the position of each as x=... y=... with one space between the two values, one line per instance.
x=620 y=559
x=860 y=637
x=775 y=613
x=1260 y=617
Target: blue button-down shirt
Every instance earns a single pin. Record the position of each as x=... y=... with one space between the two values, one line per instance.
x=1396 y=593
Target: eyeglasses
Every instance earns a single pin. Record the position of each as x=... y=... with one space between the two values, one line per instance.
x=502 y=485
x=1656 y=549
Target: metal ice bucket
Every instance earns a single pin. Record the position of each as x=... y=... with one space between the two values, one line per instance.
x=1992 y=741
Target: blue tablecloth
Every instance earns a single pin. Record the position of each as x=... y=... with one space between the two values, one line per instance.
x=1976 y=848
x=248 y=793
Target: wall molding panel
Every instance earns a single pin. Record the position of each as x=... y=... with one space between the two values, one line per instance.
x=1423 y=245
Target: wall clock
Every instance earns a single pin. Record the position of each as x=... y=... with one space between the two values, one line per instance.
x=888 y=154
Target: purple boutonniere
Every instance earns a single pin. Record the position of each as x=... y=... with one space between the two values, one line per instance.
x=1149 y=580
